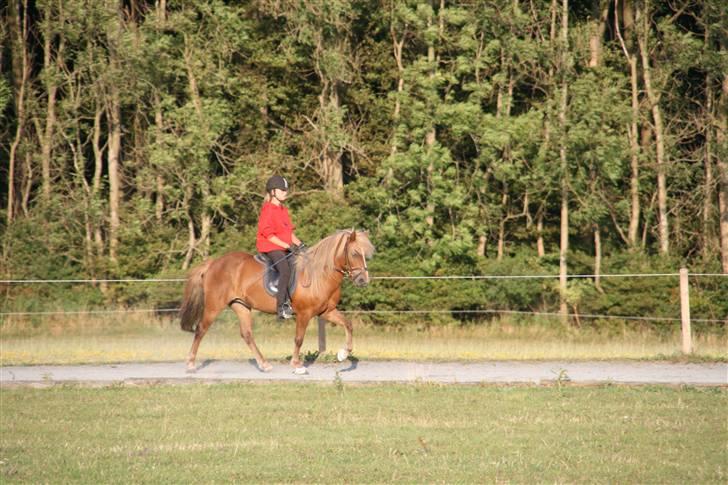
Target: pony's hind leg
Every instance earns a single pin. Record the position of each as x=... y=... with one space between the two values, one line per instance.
x=207 y=318
x=246 y=332
x=301 y=324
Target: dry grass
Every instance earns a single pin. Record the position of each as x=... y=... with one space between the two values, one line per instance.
x=141 y=337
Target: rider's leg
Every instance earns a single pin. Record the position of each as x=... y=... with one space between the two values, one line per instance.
x=284 y=271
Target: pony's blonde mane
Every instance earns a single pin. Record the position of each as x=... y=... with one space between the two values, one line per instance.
x=318 y=261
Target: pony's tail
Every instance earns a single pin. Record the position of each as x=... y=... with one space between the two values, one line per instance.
x=193 y=303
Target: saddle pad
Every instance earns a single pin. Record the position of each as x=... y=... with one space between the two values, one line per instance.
x=271 y=275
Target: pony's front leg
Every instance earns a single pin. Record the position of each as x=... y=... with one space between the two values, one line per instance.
x=335 y=316
x=301 y=324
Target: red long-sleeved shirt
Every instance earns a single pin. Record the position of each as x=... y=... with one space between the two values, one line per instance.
x=273 y=221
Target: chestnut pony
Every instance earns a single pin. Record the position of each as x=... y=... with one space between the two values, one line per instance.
x=236 y=280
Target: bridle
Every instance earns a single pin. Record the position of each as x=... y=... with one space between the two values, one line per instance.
x=348 y=270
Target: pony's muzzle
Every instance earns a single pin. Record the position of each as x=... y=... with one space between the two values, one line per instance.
x=361 y=279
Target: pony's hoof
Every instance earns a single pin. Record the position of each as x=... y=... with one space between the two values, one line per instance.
x=300 y=371
x=342 y=355
x=265 y=367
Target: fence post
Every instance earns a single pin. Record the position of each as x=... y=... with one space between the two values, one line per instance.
x=687 y=336
x=321 y=335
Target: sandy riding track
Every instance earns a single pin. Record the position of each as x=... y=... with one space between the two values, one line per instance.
x=505 y=372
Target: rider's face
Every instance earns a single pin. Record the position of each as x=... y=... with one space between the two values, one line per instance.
x=280 y=194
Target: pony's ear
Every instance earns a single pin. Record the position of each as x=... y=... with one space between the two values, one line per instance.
x=352 y=236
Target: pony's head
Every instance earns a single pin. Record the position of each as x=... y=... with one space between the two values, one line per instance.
x=357 y=250
x=345 y=252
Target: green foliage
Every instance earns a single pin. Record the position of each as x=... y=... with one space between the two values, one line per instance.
x=47 y=244
x=321 y=214
x=447 y=157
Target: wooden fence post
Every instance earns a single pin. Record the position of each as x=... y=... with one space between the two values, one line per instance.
x=687 y=336
x=321 y=335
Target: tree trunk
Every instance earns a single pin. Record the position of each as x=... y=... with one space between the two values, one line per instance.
x=707 y=232
x=652 y=96
x=431 y=136
x=646 y=225
x=502 y=224
x=627 y=14
x=192 y=83
x=540 y=248
x=564 y=227
x=482 y=244
x=206 y=223
x=113 y=155
x=205 y=217
x=547 y=127
x=159 y=203
x=113 y=113
x=634 y=147
x=721 y=141
x=21 y=72
x=595 y=46
x=96 y=220
x=28 y=183
x=545 y=148
x=597 y=29
x=159 y=125
x=598 y=257
x=77 y=150
x=564 y=237
x=330 y=168
x=632 y=129
x=397 y=46
x=51 y=67
x=191 y=239
x=161 y=7
x=333 y=170
x=503 y=108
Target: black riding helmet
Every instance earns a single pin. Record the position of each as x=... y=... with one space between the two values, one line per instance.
x=276 y=182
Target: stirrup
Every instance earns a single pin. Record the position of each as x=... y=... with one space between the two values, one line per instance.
x=285 y=312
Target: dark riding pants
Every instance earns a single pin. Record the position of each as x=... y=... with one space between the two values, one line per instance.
x=284 y=269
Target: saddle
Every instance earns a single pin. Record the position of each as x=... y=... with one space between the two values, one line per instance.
x=271 y=275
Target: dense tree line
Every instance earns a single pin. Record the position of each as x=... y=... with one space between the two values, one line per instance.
x=467 y=136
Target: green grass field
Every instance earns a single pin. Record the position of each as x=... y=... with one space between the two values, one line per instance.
x=336 y=433
x=136 y=337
